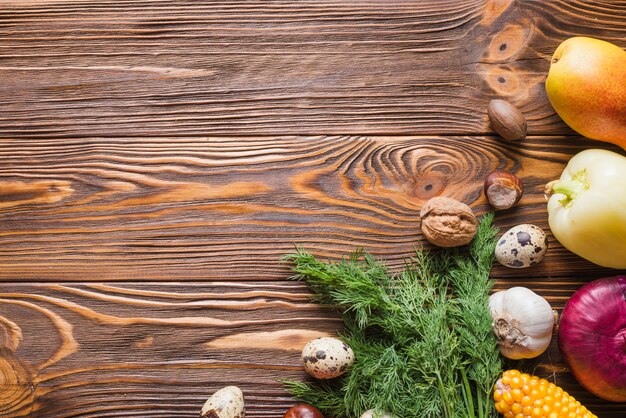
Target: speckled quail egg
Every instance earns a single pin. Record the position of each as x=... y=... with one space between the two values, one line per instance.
x=371 y=414
x=326 y=357
x=522 y=246
x=225 y=403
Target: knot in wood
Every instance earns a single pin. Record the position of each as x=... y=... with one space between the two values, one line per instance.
x=17 y=392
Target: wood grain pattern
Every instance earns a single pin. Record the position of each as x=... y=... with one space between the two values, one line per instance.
x=158 y=158
x=159 y=350
x=216 y=209
x=152 y=209
x=146 y=350
x=144 y=67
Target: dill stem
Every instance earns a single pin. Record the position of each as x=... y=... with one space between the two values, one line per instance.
x=446 y=406
x=464 y=393
x=488 y=404
x=467 y=390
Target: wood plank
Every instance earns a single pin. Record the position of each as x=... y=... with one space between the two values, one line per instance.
x=152 y=68
x=139 y=350
x=158 y=158
x=129 y=349
x=228 y=209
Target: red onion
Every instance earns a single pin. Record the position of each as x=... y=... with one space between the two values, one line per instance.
x=592 y=337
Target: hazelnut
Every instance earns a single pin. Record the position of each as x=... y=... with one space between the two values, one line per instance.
x=303 y=410
x=447 y=222
x=507 y=120
x=503 y=189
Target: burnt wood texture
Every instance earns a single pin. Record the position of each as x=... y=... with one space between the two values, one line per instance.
x=158 y=158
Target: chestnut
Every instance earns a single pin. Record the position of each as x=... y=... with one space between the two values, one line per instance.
x=503 y=189
x=303 y=410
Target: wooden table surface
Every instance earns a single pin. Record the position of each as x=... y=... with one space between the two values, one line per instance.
x=157 y=158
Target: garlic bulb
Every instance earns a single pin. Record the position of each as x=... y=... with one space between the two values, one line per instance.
x=371 y=414
x=522 y=321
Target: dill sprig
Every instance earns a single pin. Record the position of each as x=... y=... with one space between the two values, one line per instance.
x=422 y=338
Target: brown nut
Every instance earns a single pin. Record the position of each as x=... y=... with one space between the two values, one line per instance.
x=503 y=189
x=507 y=120
x=447 y=222
x=303 y=410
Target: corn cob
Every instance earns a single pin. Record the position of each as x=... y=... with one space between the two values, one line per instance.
x=520 y=395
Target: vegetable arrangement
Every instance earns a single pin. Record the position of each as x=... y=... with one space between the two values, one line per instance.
x=422 y=339
x=427 y=342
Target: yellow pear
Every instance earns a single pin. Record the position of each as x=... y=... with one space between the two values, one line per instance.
x=586 y=85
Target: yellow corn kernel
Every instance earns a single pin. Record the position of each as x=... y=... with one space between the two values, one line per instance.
x=497 y=395
x=516 y=408
x=516 y=382
x=520 y=395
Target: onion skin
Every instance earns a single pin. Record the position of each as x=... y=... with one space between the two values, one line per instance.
x=592 y=337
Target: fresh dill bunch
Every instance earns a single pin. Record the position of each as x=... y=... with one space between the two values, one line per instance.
x=359 y=285
x=422 y=338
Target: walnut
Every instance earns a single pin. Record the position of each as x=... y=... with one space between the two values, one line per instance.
x=447 y=222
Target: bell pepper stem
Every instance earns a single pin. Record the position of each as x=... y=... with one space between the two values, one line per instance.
x=571 y=188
